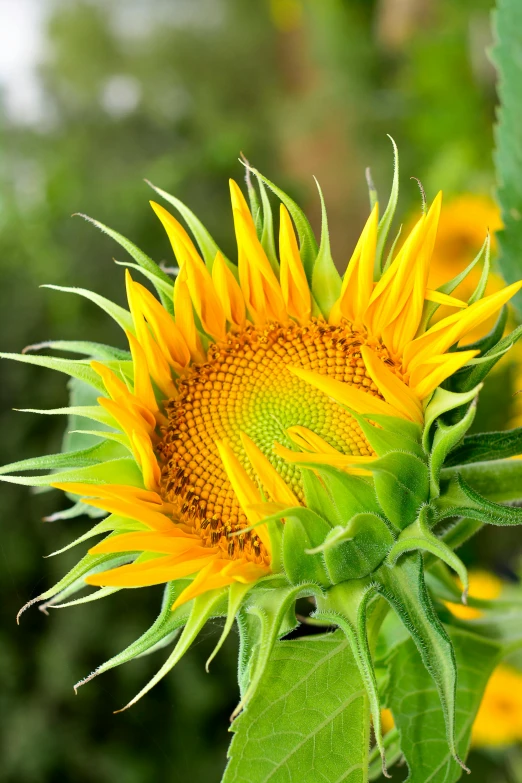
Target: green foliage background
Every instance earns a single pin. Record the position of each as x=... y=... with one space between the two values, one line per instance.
x=301 y=88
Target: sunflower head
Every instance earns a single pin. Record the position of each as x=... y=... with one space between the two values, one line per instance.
x=277 y=429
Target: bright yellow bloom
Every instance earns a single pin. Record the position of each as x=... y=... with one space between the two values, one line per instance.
x=499 y=719
x=250 y=368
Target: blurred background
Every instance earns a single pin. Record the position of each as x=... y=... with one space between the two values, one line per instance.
x=97 y=96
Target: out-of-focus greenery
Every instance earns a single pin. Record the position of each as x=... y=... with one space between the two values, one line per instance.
x=173 y=91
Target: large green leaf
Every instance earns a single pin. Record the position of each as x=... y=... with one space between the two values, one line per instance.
x=484 y=446
x=413 y=699
x=311 y=724
x=507 y=56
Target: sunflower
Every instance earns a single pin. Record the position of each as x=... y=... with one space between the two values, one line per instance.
x=269 y=434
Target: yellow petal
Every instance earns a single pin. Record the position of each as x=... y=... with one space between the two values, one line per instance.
x=185 y=317
x=348 y=462
x=310 y=441
x=268 y=475
x=167 y=334
x=122 y=491
x=142 y=384
x=357 y=284
x=450 y=330
x=209 y=578
x=146 y=459
x=394 y=391
x=412 y=286
x=443 y=299
x=361 y=402
x=129 y=418
x=229 y=292
x=246 y=491
x=434 y=371
x=393 y=289
x=294 y=285
x=151 y=572
x=147 y=542
x=182 y=244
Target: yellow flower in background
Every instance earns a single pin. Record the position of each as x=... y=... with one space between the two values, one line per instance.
x=483 y=585
x=499 y=719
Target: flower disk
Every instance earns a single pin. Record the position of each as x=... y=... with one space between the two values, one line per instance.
x=245 y=387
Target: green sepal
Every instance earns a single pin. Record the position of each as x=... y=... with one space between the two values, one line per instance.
x=486 y=446
x=76 y=368
x=392 y=434
x=401 y=485
x=307 y=241
x=335 y=495
x=95 y=595
x=498 y=480
x=446 y=437
x=77 y=510
x=158 y=282
x=203 y=607
x=392 y=749
x=467 y=378
x=123 y=470
x=418 y=536
x=93 y=350
x=166 y=623
x=74 y=579
x=389 y=213
x=326 y=280
x=404 y=588
x=92 y=412
x=255 y=206
x=83 y=458
x=304 y=530
x=270 y=607
x=110 y=523
x=345 y=605
x=142 y=259
x=480 y=290
x=442 y=402
x=267 y=229
x=236 y=594
x=462 y=500
x=207 y=246
x=122 y=317
x=354 y=551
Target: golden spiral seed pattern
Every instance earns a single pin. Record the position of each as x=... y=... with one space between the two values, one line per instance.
x=245 y=386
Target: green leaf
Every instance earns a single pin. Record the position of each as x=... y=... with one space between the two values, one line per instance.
x=446 y=437
x=311 y=724
x=122 y=317
x=401 y=484
x=404 y=588
x=207 y=246
x=414 y=702
x=507 y=56
x=307 y=241
x=326 y=280
x=138 y=255
x=485 y=446
x=75 y=368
